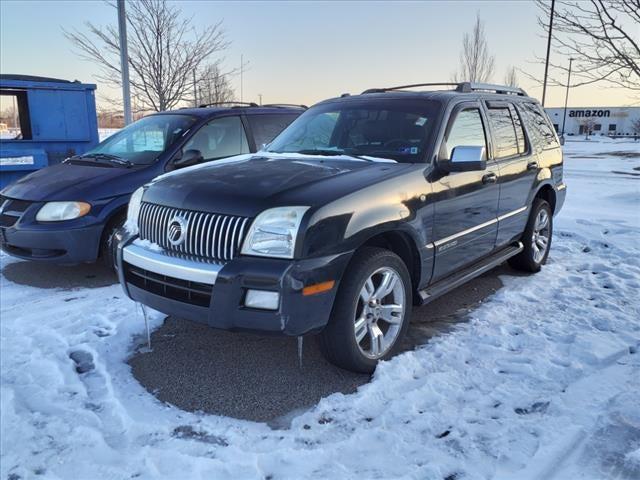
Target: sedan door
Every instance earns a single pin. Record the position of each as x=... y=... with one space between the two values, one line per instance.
x=466 y=203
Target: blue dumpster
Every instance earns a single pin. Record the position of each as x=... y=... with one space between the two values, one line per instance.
x=55 y=120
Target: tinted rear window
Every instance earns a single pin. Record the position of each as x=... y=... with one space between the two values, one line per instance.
x=504 y=132
x=539 y=127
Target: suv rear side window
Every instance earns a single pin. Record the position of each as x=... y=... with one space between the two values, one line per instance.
x=539 y=127
x=267 y=126
x=467 y=130
x=504 y=132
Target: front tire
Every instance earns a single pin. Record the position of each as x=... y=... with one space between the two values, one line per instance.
x=536 y=238
x=371 y=311
x=109 y=244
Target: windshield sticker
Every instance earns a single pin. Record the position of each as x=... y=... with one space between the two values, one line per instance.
x=421 y=121
x=408 y=150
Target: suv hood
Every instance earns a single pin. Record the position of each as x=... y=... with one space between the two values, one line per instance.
x=67 y=181
x=248 y=184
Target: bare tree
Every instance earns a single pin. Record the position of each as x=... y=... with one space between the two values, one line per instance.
x=164 y=52
x=214 y=86
x=476 y=64
x=511 y=77
x=602 y=38
x=587 y=124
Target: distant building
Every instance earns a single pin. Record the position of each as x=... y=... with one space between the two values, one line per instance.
x=612 y=121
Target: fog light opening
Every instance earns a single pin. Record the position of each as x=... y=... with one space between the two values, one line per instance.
x=262 y=299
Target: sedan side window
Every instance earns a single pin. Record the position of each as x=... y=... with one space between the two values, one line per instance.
x=223 y=137
x=467 y=130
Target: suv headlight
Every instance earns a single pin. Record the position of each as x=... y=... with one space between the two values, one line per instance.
x=59 y=211
x=273 y=233
x=133 y=211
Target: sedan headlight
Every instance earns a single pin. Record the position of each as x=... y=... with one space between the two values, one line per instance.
x=59 y=211
x=273 y=233
x=133 y=211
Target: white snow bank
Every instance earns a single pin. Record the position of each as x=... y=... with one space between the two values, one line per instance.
x=541 y=383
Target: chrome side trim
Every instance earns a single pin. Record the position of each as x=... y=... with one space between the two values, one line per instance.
x=512 y=213
x=176 y=267
x=448 y=239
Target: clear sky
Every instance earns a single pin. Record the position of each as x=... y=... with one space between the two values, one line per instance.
x=303 y=52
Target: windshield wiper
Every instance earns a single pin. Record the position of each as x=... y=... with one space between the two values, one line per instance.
x=330 y=153
x=108 y=157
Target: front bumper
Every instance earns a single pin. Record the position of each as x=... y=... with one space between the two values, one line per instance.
x=214 y=293
x=49 y=243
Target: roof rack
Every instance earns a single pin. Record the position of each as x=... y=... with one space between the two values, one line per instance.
x=237 y=104
x=463 y=87
x=490 y=87
x=402 y=87
x=277 y=105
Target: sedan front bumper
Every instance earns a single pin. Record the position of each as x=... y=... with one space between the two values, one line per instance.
x=214 y=293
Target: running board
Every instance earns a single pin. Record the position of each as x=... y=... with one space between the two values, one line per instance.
x=454 y=281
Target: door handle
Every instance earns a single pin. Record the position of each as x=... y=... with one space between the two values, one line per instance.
x=490 y=178
x=532 y=166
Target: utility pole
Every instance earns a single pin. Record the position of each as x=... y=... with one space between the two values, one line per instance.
x=566 y=97
x=195 y=89
x=124 y=62
x=241 y=71
x=546 y=65
x=260 y=97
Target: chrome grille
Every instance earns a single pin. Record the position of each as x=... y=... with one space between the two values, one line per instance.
x=208 y=235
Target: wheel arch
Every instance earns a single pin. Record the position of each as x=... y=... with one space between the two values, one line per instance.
x=546 y=192
x=402 y=244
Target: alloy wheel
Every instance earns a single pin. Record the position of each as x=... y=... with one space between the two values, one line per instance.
x=380 y=312
x=541 y=234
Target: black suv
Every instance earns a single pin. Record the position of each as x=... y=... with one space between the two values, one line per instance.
x=363 y=206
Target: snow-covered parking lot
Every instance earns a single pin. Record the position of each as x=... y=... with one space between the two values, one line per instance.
x=543 y=381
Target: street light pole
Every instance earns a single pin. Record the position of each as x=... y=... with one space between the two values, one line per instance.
x=124 y=62
x=566 y=97
x=546 y=65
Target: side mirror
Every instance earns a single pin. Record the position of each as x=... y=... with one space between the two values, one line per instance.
x=465 y=159
x=188 y=158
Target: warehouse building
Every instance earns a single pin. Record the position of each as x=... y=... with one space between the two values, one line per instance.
x=611 y=121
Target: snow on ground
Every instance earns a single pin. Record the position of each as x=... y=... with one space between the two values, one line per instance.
x=542 y=383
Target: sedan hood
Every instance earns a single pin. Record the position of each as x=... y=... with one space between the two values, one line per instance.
x=67 y=181
x=249 y=184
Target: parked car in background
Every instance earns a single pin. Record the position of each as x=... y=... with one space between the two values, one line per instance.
x=69 y=213
x=363 y=206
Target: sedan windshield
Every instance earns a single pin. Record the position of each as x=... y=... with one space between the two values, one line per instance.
x=142 y=142
x=395 y=129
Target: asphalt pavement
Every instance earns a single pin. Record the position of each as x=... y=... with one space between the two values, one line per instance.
x=243 y=375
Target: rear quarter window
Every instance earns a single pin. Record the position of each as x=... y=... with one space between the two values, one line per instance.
x=540 y=129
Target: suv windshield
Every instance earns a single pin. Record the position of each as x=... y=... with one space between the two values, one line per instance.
x=394 y=129
x=143 y=141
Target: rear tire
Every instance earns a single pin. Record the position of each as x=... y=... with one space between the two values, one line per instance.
x=536 y=238
x=108 y=245
x=371 y=312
